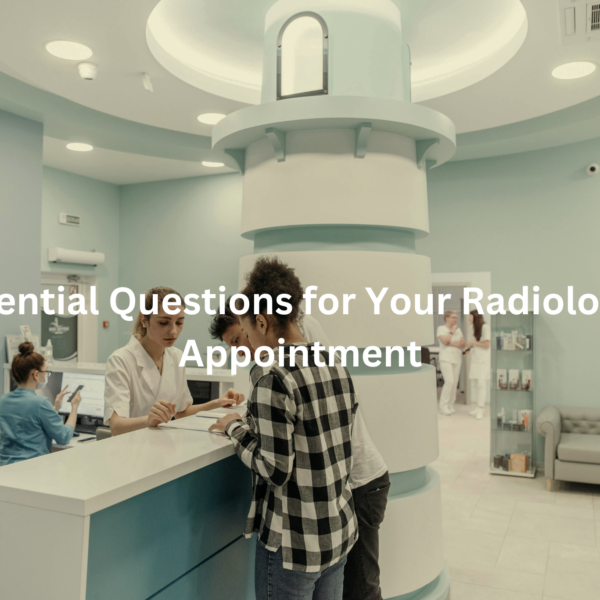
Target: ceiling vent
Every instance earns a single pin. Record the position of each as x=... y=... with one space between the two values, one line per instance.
x=579 y=21
x=67 y=219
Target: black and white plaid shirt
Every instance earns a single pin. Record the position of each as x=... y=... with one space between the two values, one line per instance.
x=296 y=440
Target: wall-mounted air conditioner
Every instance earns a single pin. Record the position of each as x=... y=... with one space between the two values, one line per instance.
x=79 y=257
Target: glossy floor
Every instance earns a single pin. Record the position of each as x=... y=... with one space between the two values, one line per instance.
x=508 y=538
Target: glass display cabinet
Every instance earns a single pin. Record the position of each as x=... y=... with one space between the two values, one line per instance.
x=511 y=395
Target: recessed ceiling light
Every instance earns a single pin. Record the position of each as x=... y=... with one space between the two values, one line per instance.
x=211 y=118
x=212 y=165
x=68 y=50
x=574 y=70
x=77 y=147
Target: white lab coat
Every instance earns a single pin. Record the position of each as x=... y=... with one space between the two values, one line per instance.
x=134 y=384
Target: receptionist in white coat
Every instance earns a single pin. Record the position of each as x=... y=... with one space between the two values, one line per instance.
x=145 y=386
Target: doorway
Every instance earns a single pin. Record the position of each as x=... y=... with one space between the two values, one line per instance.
x=74 y=337
x=455 y=284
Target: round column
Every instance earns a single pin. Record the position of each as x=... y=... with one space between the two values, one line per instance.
x=335 y=185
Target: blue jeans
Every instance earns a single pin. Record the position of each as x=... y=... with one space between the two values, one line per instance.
x=273 y=582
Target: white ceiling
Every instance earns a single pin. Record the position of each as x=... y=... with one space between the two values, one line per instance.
x=218 y=46
x=121 y=168
x=116 y=32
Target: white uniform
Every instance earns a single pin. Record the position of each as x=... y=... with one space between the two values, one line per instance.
x=367 y=463
x=134 y=384
x=480 y=366
x=450 y=362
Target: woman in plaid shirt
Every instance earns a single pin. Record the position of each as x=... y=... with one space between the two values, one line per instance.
x=296 y=440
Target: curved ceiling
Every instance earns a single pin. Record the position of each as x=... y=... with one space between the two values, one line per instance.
x=115 y=112
x=218 y=46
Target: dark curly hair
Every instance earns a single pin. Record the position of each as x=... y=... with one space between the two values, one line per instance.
x=269 y=279
x=221 y=322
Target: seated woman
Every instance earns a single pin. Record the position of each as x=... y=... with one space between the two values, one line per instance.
x=296 y=439
x=28 y=422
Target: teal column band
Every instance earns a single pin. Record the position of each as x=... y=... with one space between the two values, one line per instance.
x=408 y=481
x=412 y=483
x=334 y=237
x=438 y=589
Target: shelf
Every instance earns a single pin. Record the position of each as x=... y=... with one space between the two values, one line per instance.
x=529 y=432
x=516 y=351
x=513 y=391
x=530 y=474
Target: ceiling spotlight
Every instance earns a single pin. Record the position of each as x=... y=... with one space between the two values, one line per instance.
x=77 y=147
x=574 y=70
x=211 y=118
x=212 y=165
x=68 y=50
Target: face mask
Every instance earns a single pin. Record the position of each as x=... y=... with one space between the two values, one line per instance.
x=41 y=385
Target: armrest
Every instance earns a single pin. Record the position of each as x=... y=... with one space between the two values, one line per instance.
x=549 y=424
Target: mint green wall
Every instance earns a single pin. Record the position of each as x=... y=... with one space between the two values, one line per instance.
x=97 y=203
x=20 y=221
x=184 y=234
x=530 y=219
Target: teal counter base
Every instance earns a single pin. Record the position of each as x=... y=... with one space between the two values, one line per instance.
x=214 y=579
x=139 y=547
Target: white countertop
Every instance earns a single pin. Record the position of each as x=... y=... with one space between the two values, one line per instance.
x=100 y=474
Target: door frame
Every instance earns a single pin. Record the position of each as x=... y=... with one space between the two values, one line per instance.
x=87 y=325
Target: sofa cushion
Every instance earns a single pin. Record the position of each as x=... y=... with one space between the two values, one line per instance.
x=580 y=420
x=579 y=447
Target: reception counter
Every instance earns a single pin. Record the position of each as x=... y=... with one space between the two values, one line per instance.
x=157 y=513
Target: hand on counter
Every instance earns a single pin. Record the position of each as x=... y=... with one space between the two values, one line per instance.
x=221 y=423
x=161 y=412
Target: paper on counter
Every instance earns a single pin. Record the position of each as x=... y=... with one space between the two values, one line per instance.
x=189 y=423
x=222 y=412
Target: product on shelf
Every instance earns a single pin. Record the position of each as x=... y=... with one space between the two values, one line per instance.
x=519 y=463
x=525 y=418
x=513 y=379
x=502 y=379
x=526 y=379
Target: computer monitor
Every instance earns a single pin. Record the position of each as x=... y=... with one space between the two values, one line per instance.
x=92 y=394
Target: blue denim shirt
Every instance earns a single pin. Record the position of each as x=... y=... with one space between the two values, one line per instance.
x=28 y=424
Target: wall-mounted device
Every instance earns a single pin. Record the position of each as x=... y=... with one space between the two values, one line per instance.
x=592 y=169
x=579 y=21
x=67 y=219
x=79 y=257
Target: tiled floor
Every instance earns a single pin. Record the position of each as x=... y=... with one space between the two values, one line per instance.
x=508 y=538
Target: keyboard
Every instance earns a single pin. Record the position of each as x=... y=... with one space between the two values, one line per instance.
x=91 y=429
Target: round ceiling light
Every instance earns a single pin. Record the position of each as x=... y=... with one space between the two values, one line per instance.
x=69 y=50
x=211 y=118
x=574 y=70
x=77 y=147
x=212 y=165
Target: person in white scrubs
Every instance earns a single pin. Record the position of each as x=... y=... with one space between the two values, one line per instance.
x=452 y=342
x=479 y=371
x=145 y=386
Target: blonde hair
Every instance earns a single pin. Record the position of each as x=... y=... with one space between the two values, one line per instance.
x=139 y=331
x=448 y=313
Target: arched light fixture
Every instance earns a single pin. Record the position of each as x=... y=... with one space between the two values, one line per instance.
x=212 y=165
x=302 y=57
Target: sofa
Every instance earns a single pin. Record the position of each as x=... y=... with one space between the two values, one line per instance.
x=572 y=444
